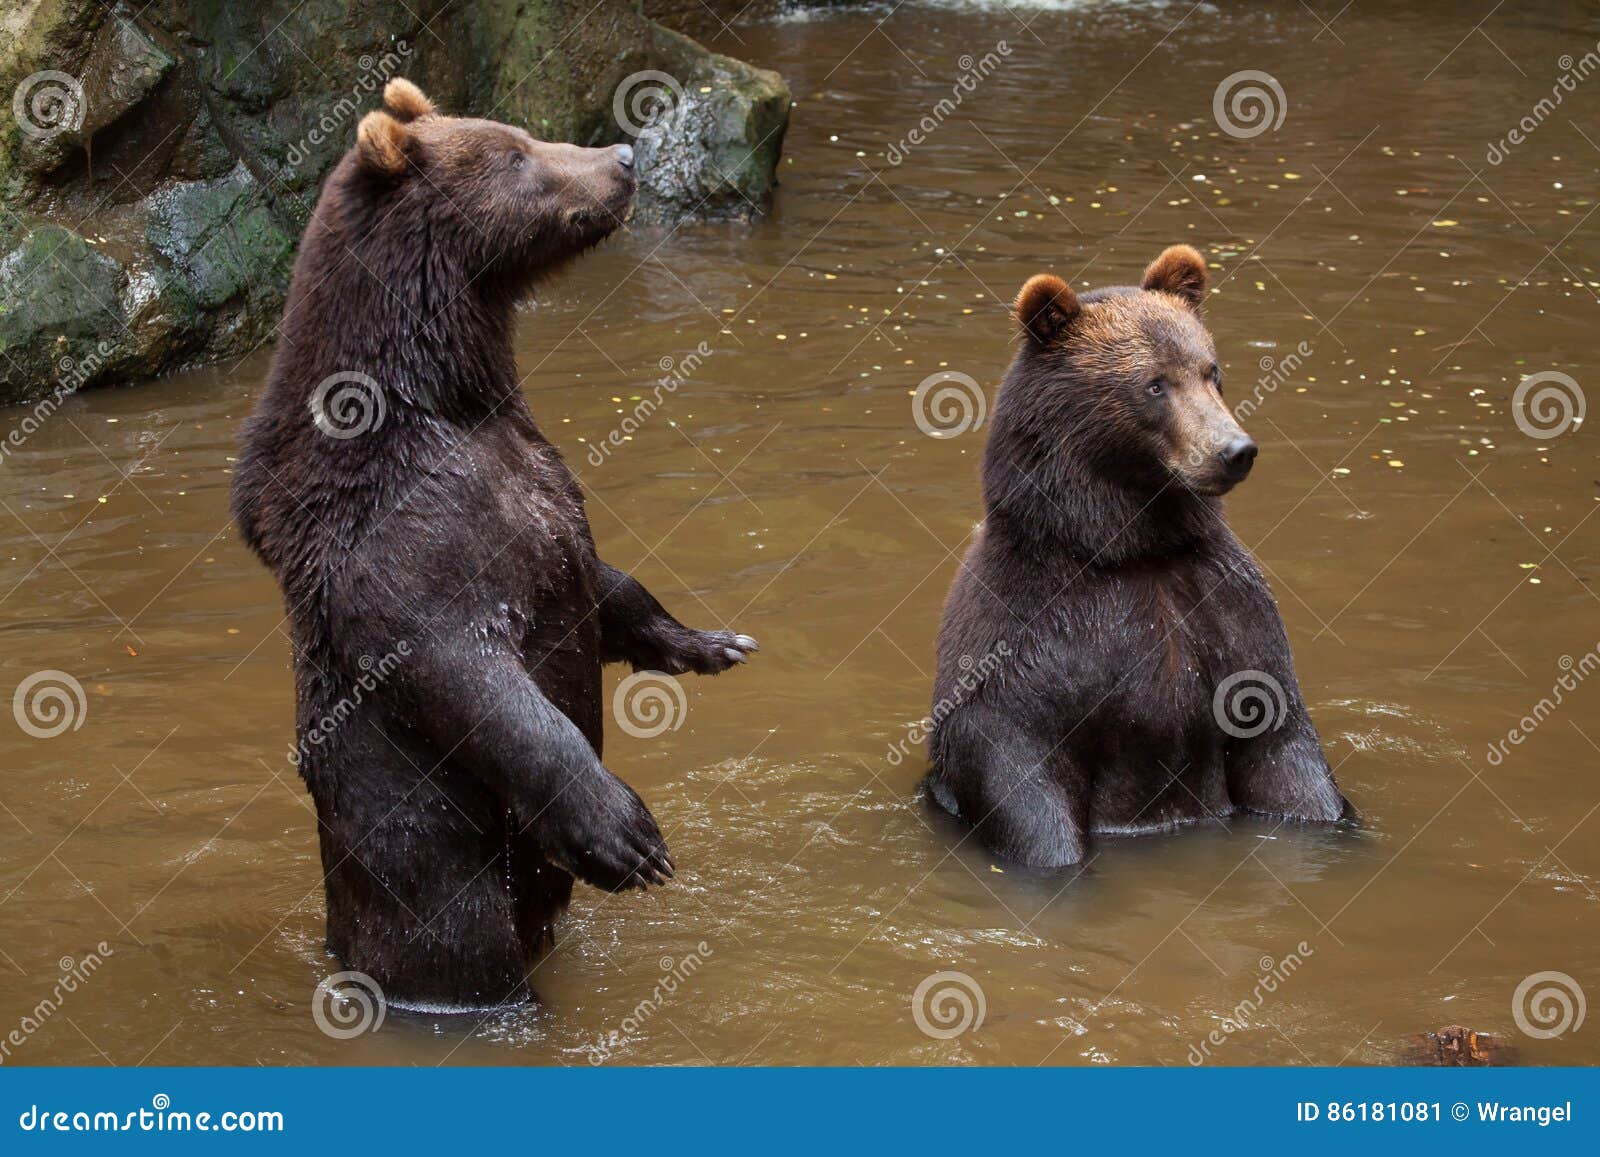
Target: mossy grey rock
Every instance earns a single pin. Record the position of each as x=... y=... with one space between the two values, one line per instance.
x=708 y=144
x=175 y=190
x=221 y=241
x=63 y=317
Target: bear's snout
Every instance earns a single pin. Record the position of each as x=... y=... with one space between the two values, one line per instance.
x=1237 y=456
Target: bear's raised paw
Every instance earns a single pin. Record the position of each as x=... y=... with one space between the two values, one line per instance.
x=705 y=652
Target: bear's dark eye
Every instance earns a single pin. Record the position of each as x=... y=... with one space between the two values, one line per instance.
x=1156 y=388
x=1216 y=377
x=518 y=159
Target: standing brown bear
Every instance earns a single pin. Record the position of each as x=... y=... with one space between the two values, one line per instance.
x=394 y=481
x=1146 y=680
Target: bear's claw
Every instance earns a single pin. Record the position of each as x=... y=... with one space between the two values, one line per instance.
x=602 y=832
x=706 y=652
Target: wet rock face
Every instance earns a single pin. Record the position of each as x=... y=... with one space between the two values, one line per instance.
x=62 y=303
x=157 y=162
x=708 y=134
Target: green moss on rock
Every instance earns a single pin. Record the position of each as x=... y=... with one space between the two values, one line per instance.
x=61 y=309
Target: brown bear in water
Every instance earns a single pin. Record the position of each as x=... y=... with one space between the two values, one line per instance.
x=1143 y=677
x=394 y=481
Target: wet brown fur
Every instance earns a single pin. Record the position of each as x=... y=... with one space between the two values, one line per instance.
x=459 y=797
x=1106 y=574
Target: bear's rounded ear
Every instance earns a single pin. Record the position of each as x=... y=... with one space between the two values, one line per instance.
x=1181 y=271
x=381 y=144
x=1045 y=306
x=405 y=100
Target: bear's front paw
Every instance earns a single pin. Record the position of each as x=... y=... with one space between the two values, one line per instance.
x=603 y=833
x=705 y=652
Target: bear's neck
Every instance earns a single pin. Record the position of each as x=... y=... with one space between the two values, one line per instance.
x=408 y=312
x=1061 y=502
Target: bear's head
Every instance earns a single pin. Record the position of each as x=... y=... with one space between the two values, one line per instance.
x=505 y=202
x=1127 y=378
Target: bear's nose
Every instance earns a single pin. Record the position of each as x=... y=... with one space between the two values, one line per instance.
x=1238 y=456
x=625 y=156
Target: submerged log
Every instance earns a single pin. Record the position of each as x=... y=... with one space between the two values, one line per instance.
x=1456 y=1046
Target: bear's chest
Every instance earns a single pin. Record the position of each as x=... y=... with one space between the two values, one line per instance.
x=536 y=512
x=1163 y=641
x=1160 y=641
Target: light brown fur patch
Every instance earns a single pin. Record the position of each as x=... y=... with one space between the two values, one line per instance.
x=1115 y=338
x=1044 y=306
x=405 y=100
x=381 y=143
x=1181 y=271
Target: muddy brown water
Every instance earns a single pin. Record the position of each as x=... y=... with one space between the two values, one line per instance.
x=1435 y=564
